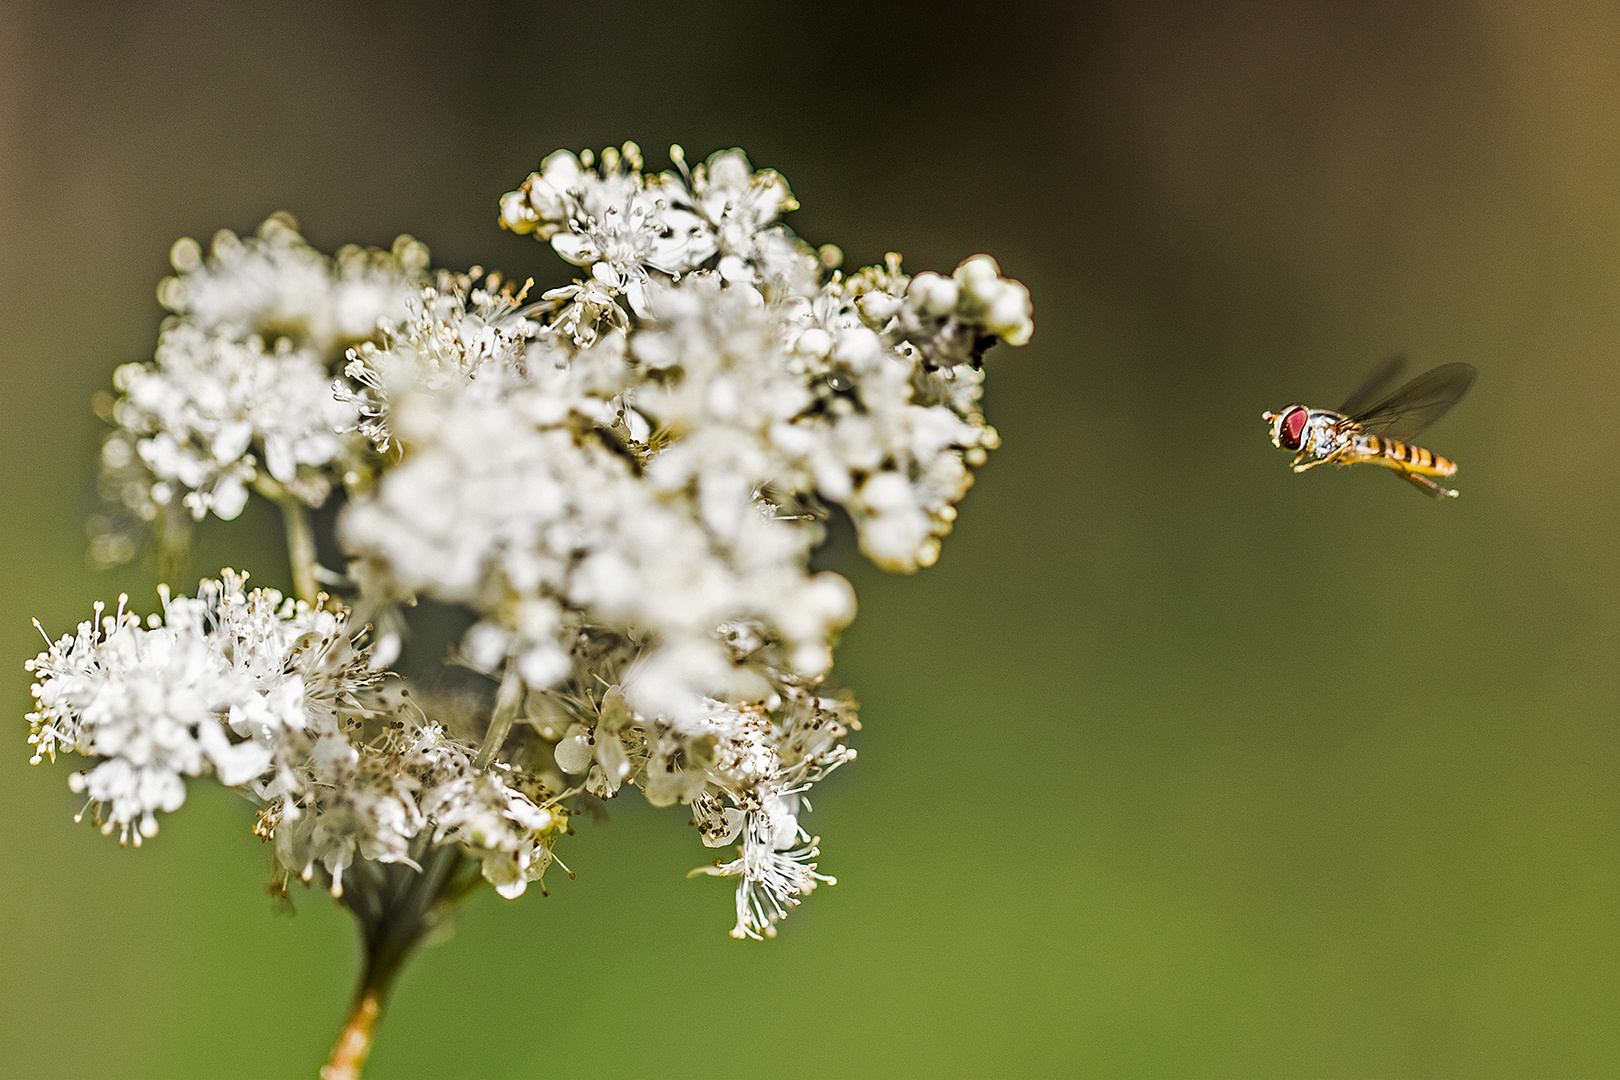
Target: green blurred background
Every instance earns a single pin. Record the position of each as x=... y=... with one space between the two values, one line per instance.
x=1177 y=765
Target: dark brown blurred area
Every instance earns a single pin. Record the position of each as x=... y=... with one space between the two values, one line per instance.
x=1176 y=765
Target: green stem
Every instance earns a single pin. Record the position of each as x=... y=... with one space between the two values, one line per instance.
x=507 y=700
x=300 y=536
x=360 y=1027
x=300 y=547
x=174 y=544
x=394 y=907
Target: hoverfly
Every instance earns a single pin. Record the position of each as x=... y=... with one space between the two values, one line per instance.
x=1378 y=433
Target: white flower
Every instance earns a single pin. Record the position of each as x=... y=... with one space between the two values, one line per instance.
x=208 y=686
x=619 y=486
x=273 y=697
x=611 y=220
x=738 y=202
x=741 y=207
x=211 y=413
x=634 y=232
x=275 y=285
x=341 y=801
x=763 y=762
x=239 y=393
x=627 y=493
x=510 y=830
x=774 y=878
x=495 y=507
x=451 y=333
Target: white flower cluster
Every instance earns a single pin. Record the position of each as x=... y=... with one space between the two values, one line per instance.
x=239 y=392
x=276 y=699
x=623 y=482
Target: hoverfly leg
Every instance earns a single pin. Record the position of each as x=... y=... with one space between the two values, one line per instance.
x=1427 y=486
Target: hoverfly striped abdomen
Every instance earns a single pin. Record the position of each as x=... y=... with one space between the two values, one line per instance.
x=1403 y=456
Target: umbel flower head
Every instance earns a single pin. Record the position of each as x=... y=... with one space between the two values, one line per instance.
x=620 y=481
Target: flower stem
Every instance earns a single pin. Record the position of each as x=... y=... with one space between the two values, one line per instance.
x=300 y=547
x=354 y=1041
x=507 y=700
x=300 y=536
x=395 y=906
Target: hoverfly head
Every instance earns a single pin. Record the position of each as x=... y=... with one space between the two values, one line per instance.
x=1288 y=427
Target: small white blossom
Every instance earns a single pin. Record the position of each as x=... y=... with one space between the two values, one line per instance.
x=510 y=822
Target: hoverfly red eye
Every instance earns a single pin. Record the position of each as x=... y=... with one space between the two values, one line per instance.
x=1291 y=427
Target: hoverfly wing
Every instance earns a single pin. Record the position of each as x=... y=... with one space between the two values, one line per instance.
x=1419 y=403
x=1380 y=377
